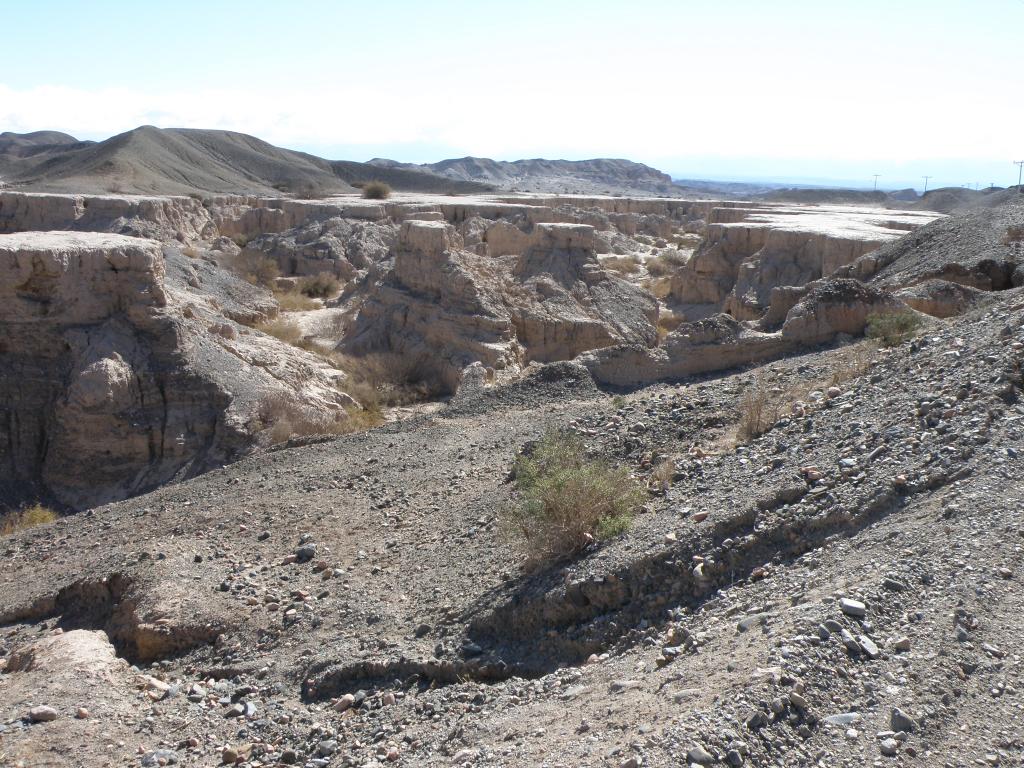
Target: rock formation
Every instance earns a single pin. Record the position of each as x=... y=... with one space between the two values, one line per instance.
x=550 y=302
x=119 y=370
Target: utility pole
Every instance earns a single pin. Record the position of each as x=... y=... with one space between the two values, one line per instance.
x=926 y=184
x=1020 y=164
x=875 y=188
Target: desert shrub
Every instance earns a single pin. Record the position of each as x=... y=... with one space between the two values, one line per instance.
x=29 y=517
x=387 y=379
x=191 y=251
x=567 y=500
x=660 y=287
x=284 y=419
x=286 y=331
x=240 y=240
x=293 y=301
x=376 y=190
x=321 y=286
x=892 y=328
x=668 y=321
x=624 y=265
x=662 y=474
x=758 y=411
x=665 y=264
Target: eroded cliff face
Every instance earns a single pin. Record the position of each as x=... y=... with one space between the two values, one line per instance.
x=750 y=251
x=114 y=380
x=550 y=302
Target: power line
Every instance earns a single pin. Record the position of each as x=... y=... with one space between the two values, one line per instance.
x=926 y=183
x=1020 y=170
x=875 y=188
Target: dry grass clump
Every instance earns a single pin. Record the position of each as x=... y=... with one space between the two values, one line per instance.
x=668 y=321
x=665 y=264
x=287 y=419
x=29 y=517
x=758 y=411
x=320 y=286
x=660 y=287
x=294 y=301
x=662 y=474
x=567 y=500
x=376 y=190
x=286 y=331
x=892 y=329
x=624 y=265
x=387 y=379
x=253 y=267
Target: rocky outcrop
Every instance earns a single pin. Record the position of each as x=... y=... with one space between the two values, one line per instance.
x=749 y=252
x=820 y=313
x=836 y=306
x=713 y=344
x=940 y=298
x=163 y=218
x=118 y=374
x=550 y=302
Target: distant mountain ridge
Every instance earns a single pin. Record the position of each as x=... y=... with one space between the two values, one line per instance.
x=597 y=176
x=176 y=161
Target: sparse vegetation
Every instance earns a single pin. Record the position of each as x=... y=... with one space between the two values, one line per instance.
x=624 y=265
x=191 y=251
x=758 y=411
x=892 y=328
x=321 y=286
x=660 y=288
x=665 y=264
x=287 y=419
x=28 y=517
x=662 y=475
x=568 y=500
x=293 y=301
x=388 y=379
x=668 y=321
x=376 y=190
x=287 y=331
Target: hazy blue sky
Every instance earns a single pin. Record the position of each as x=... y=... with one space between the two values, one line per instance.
x=740 y=88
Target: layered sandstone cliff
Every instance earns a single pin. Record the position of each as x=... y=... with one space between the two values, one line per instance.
x=120 y=372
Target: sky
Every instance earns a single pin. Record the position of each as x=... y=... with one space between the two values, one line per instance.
x=823 y=91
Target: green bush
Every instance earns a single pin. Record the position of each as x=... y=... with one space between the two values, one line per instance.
x=893 y=328
x=567 y=500
x=376 y=190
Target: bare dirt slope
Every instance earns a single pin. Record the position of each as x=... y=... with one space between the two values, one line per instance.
x=356 y=602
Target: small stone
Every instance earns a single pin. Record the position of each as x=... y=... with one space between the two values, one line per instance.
x=901 y=721
x=42 y=714
x=82 y=713
x=228 y=755
x=734 y=758
x=289 y=756
x=902 y=645
x=345 y=702
x=305 y=553
x=236 y=710
x=700 y=517
x=327 y=747
x=700 y=756
x=868 y=646
x=617 y=686
x=889 y=747
x=749 y=622
x=851 y=607
x=843 y=718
